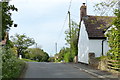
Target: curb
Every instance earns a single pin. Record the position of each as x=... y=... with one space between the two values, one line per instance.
x=96 y=75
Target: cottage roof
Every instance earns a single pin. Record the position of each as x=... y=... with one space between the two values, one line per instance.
x=96 y=26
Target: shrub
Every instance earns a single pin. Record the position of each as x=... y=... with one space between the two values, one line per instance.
x=11 y=66
x=102 y=57
x=68 y=57
x=51 y=59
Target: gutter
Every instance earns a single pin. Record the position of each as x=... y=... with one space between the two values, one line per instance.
x=103 y=46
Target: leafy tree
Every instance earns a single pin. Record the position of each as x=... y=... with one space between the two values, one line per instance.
x=7 y=21
x=106 y=7
x=22 y=42
x=73 y=41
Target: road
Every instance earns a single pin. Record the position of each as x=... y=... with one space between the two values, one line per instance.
x=54 y=70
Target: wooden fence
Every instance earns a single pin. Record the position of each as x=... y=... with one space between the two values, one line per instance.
x=114 y=65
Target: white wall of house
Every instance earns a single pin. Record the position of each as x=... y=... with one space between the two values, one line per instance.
x=86 y=46
x=83 y=45
x=95 y=46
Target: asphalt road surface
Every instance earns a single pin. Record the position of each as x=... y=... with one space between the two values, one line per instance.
x=54 y=70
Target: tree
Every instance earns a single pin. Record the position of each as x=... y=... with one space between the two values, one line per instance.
x=106 y=7
x=22 y=42
x=114 y=36
x=7 y=21
x=73 y=41
x=36 y=54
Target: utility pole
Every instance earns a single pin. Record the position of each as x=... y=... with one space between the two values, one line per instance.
x=70 y=30
x=56 y=47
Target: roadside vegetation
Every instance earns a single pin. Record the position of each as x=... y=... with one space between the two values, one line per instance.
x=11 y=65
x=67 y=54
x=113 y=35
x=51 y=59
x=28 y=60
x=36 y=54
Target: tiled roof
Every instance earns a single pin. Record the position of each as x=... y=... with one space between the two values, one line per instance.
x=96 y=26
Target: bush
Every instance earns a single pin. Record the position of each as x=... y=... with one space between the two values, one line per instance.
x=102 y=57
x=11 y=66
x=51 y=59
x=68 y=57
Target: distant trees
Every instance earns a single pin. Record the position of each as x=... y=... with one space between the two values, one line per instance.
x=36 y=54
x=65 y=55
x=51 y=59
x=21 y=45
x=22 y=42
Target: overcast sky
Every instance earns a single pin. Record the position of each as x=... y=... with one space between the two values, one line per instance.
x=43 y=20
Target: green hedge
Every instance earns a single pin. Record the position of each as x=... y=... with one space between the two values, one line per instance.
x=11 y=66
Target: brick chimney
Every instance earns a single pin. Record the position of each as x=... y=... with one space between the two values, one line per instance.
x=83 y=11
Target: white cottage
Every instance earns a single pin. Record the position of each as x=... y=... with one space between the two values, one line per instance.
x=92 y=38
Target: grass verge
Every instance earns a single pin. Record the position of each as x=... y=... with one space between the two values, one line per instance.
x=28 y=60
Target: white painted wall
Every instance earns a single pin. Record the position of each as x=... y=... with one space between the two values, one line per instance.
x=95 y=46
x=83 y=45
